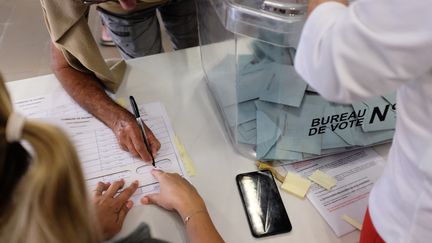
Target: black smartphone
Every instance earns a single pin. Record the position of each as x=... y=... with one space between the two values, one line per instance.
x=264 y=208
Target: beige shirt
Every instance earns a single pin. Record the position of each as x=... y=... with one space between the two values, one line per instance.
x=67 y=25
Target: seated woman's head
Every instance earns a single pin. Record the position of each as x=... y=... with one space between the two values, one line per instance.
x=43 y=196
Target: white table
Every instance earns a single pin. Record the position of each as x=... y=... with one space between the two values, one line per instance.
x=176 y=79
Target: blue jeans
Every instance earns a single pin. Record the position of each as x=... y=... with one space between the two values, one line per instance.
x=138 y=34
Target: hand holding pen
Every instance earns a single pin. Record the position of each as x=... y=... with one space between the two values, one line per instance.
x=147 y=136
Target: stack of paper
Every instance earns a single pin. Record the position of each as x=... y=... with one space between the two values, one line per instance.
x=270 y=107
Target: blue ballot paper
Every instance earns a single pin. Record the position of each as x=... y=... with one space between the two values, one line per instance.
x=250 y=137
x=268 y=132
x=391 y=98
x=270 y=124
x=234 y=80
x=326 y=152
x=296 y=135
x=267 y=105
x=240 y=113
x=247 y=132
x=222 y=81
x=250 y=63
x=266 y=51
x=285 y=87
x=378 y=114
x=354 y=135
x=289 y=130
x=331 y=140
x=280 y=154
x=252 y=83
x=247 y=126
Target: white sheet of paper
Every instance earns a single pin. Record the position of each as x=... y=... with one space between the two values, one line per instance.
x=356 y=172
x=56 y=104
x=102 y=158
x=32 y=107
x=60 y=104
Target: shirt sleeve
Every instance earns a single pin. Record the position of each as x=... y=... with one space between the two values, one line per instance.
x=367 y=49
x=67 y=25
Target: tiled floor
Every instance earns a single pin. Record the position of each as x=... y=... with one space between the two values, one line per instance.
x=24 y=40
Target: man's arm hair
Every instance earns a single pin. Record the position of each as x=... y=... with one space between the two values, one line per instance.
x=85 y=89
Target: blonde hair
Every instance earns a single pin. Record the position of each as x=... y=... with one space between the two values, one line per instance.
x=49 y=202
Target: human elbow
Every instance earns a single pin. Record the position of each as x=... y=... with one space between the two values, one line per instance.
x=58 y=61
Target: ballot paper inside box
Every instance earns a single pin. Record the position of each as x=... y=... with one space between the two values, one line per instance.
x=270 y=113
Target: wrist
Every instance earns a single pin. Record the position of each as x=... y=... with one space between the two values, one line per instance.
x=194 y=214
x=187 y=209
x=120 y=118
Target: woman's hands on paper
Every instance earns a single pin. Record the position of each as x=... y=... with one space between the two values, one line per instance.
x=111 y=210
x=175 y=193
x=130 y=139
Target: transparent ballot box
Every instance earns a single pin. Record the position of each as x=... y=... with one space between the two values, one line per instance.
x=269 y=111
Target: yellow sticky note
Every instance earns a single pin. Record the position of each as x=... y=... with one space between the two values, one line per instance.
x=187 y=161
x=352 y=222
x=264 y=166
x=296 y=185
x=323 y=179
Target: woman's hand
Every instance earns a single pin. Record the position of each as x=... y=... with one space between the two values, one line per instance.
x=111 y=210
x=175 y=193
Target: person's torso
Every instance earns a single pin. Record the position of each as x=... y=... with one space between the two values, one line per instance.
x=398 y=198
x=114 y=7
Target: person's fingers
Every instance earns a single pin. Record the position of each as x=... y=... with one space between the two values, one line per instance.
x=157 y=174
x=100 y=187
x=123 y=146
x=121 y=135
x=145 y=200
x=123 y=211
x=150 y=199
x=115 y=186
x=131 y=147
x=126 y=193
x=139 y=146
x=153 y=141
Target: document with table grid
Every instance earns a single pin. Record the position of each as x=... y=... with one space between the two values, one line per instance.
x=101 y=157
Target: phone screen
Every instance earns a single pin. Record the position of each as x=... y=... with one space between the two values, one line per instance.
x=264 y=208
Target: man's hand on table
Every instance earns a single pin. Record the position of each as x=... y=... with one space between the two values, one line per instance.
x=128 y=134
x=89 y=93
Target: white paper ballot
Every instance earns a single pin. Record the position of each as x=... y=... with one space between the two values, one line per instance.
x=31 y=108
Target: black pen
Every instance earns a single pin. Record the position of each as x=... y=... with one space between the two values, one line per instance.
x=142 y=127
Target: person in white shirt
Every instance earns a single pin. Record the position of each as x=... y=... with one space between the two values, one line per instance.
x=370 y=48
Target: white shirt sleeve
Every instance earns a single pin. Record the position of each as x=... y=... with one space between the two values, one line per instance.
x=369 y=48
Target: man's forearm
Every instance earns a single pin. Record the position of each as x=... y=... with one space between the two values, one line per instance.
x=86 y=90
